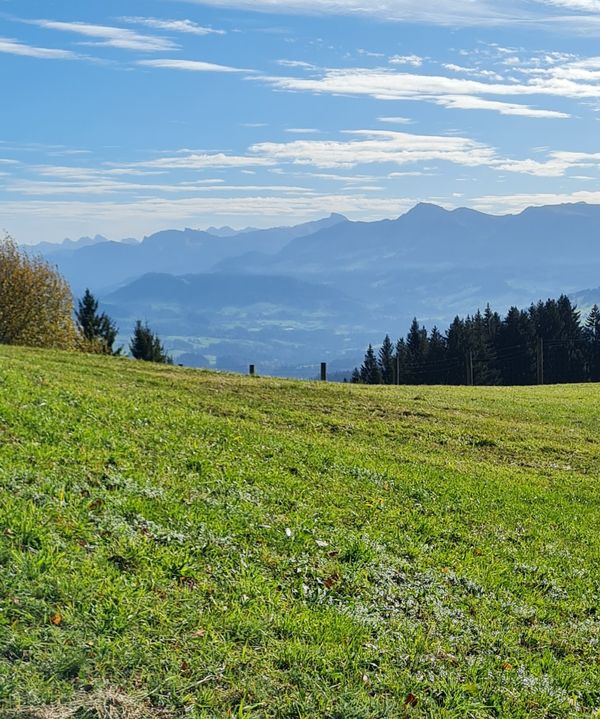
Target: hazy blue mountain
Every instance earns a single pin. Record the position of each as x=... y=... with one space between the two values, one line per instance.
x=227 y=231
x=431 y=238
x=66 y=245
x=435 y=263
x=105 y=265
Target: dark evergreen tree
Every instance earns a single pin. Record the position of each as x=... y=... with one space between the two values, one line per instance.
x=481 y=348
x=572 y=339
x=401 y=373
x=437 y=359
x=145 y=345
x=386 y=361
x=97 y=328
x=457 y=349
x=592 y=336
x=493 y=323
x=355 y=379
x=557 y=323
x=515 y=346
x=369 y=372
x=416 y=353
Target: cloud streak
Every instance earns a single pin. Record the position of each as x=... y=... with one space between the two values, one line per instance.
x=482 y=12
x=108 y=36
x=451 y=92
x=182 y=26
x=189 y=65
x=15 y=47
x=377 y=147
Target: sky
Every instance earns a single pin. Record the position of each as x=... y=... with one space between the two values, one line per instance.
x=125 y=117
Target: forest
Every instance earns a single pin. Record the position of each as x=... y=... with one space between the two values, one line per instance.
x=548 y=343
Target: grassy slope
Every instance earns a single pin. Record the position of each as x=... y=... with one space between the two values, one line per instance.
x=263 y=548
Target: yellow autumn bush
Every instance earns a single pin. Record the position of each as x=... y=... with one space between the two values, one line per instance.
x=36 y=305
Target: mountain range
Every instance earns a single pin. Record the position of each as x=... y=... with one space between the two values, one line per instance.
x=289 y=297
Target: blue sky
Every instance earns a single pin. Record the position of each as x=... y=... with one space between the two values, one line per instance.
x=122 y=118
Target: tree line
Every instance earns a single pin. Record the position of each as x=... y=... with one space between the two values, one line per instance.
x=547 y=343
x=37 y=310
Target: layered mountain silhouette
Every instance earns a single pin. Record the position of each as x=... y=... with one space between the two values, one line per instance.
x=294 y=295
x=107 y=264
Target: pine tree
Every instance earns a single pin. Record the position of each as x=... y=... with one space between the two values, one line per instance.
x=355 y=379
x=481 y=346
x=592 y=335
x=401 y=362
x=572 y=338
x=437 y=360
x=386 y=361
x=557 y=322
x=416 y=349
x=516 y=348
x=145 y=345
x=457 y=348
x=369 y=372
x=99 y=331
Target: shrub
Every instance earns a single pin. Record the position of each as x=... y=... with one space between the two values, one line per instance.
x=36 y=305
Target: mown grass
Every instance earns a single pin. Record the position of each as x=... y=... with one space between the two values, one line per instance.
x=226 y=546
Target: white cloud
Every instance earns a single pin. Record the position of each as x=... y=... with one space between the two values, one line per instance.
x=189 y=65
x=201 y=161
x=473 y=71
x=434 y=11
x=471 y=102
x=302 y=130
x=447 y=91
x=109 y=36
x=412 y=60
x=584 y=5
x=536 y=14
x=184 y=26
x=296 y=64
x=395 y=120
x=91 y=187
x=373 y=146
x=14 y=47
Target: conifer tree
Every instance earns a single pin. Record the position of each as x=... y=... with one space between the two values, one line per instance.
x=437 y=360
x=99 y=331
x=386 y=361
x=481 y=346
x=457 y=347
x=369 y=372
x=416 y=350
x=516 y=348
x=145 y=345
x=401 y=362
x=592 y=334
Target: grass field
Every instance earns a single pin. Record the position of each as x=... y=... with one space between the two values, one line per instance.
x=186 y=544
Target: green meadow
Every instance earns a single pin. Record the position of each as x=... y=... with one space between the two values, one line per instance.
x=180 y=543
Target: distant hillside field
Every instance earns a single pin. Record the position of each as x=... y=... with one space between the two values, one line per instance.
x=179 y=543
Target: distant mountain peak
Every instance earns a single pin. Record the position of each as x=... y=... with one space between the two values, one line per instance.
x=427 y=209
